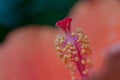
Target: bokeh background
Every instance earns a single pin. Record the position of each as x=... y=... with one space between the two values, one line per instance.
x=17 y=13
x=27 y=33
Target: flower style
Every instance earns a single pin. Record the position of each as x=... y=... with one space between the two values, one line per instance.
x=73 y=49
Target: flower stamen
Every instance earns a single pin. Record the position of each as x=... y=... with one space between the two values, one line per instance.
x=73 y=49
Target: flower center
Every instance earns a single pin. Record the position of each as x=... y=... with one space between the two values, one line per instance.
x=73 y=49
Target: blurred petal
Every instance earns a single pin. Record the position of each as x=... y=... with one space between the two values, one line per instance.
x=28 y=54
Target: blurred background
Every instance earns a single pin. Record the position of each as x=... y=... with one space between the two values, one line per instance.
x=17 y=13
x=27 y=33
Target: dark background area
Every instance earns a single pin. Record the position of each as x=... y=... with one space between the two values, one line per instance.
x=17 y=13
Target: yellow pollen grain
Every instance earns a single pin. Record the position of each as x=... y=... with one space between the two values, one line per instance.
x=64 y=56
x=69 y=44
x=69 y=51
x=72 y=72
x=62 y=38
x=80 y=34
x=85 y=71
x=61 y=41
x=75 y=52
x=85 y=45
x=60 y=55
x=56 y=41
x=89 y=62
x=57 y=44
x=73 y=78
x=58 y=49
x=85 y=38
x=76 y=59
x=82 y=46
x=78 y=40
x=58 y=37
x=72 y=48
x=64 y=60
x=79 y=30
x=86 y=41
x=64 y=50
x=73 y=34
x=83 y=61
x=70 y=65
x=74 y=68
x=82 y=51
x=69 y=56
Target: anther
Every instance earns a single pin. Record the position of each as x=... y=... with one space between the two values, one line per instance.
x=73 y=34
x=69 y=51
x=89 y=62
x=76 y=59
x=82 y=46
x=64 y=56
x=85 y=38
x=85 y=71
x=83 y=61
x=72 y=72
x=64 y=50
x=79 y=30
x=61 y=41
x=85 y=45
x=74 y=68
x=82 y=51
x=58 y=49
x=60 y=55
x=73 y=78
x=64 y=60
x=72 y=48
x=58 y=36
x=78 y=40
x=70 y=65
x=57 y=44
x=80 y=35
x=74 y=52
x=62 y=38
x=69 y=56
x=69 y=44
